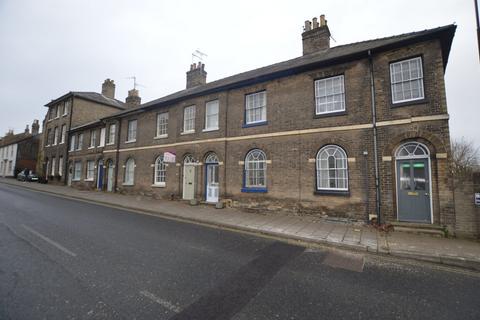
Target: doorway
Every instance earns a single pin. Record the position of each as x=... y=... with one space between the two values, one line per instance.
x=100 y=171
x=414 y=201
x=211 y=178
x=189 y=177
x=110 y=176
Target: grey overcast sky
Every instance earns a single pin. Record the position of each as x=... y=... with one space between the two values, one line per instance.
x=50 y=47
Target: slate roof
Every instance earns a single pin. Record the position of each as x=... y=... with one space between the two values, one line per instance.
x=15 y=138
x=330 y=56
x=91 y=96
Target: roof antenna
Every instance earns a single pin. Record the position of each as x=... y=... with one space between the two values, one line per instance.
x=199 y=55
x=135 y=83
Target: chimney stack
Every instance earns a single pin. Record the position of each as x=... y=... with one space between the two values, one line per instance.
x=133 y=100
x=197 y=75
x=108 y=89
x=35 y=127
x=315 y=36
x=27 y=129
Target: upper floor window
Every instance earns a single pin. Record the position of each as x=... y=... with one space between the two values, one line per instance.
x=93 y=138
x=256 y=169
x=52 y=173
x=160 y=172
x=211 y=115
x=55 y=136
x=256 y=108
x=111 y=133
x=80 y=141
x=57 y=112
x=72 y=143
x=132 y=131
x=49 y=137
x=162 y=124
x=406 y=78
x=129 y=172
x=189 y=119
x=63 y=133
x=332 y=169
x=330 y=95
x=102 y=137
x=66 y=107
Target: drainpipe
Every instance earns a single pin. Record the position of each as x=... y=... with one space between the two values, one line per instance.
x=117 y=154
x=375 y=146
x=67 y=144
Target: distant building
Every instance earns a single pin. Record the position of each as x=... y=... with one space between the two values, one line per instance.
x=19 y=151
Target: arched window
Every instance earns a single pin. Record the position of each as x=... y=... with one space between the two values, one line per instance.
x=255 y=169
x=332 y=169
x=189 y=159
x=129 y=171
x=412 y=150
x=211 y=158
x=160 y=171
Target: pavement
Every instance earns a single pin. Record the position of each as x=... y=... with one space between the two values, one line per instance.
x=61 y=258
x=307 y=229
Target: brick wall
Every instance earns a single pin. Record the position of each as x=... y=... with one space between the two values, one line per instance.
x=467 y=214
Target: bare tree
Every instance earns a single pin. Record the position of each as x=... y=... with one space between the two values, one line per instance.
x=465 y=157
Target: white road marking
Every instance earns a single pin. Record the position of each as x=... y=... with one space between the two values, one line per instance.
x=53 y=243
x=167 y=304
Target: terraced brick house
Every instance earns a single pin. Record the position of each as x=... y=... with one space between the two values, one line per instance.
x=354 y=131
x=72 y=109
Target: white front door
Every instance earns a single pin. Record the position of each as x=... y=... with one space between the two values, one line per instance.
x=188 y=181
x=212 y=183
x=110 y=178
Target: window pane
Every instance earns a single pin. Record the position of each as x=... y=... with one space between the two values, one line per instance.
x=330 y=95
x=407 y=80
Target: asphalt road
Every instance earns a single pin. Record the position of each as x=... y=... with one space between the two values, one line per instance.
x=67 y=259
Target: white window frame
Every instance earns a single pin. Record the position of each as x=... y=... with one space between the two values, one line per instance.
x=93 y=139
x=57 y=111
x=80 y=142
x=66 y=106
x=129 y=172
x=90 y=172
x=212 y=109
x=55 y=136
x=339 y=155
x=77 y=170
x=102 y=137
x=131 y=131
x=330 y=92
x=49 y=137
x=60 y=166
x=63 y=133
x=160 y=172
x=255 y=162
x=52 y=169
x=162 y=125
x=189 y=119
x=404 y=82
x=73 y=141
x=256 y=104
x=111 y=133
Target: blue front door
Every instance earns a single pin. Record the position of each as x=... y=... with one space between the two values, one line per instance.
x=100 y=175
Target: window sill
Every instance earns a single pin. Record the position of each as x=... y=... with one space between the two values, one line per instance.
x=210 y=129
x=254 y=124
x=254 y=190
x=88 y=180
x=344 y=193
x=101 y=146
x=158 y=185
x=131 y=141
x=187 y=132
x=330 y=114
x=61 y=143
x=75 y=180
x=110 y=143
x=408 y=103
x=89 y=148
x=128 y=184
x=163 y=136
x=78 y=149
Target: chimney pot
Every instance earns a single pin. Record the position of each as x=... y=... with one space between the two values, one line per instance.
x=315 y=23
x=108 y=88
x=35 y=127
x=308 y=26
x=323 y=22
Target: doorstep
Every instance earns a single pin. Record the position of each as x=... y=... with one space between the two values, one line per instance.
x=419 y=228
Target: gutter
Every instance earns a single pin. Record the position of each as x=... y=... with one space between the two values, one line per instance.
x=375 y=138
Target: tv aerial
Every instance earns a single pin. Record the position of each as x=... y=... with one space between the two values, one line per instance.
x=135 y=83
x=199 y=55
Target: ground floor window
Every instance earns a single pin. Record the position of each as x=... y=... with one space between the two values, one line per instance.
x=332 y=169
x=90 y=170
x=129 y=172
x=256 y=169
x=77 y=170
x=160 y=172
